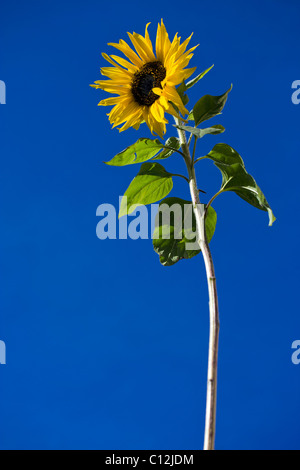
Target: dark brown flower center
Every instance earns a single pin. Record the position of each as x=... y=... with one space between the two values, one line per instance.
x=149 y=76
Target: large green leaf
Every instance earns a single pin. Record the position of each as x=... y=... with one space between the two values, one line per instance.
x=209 y=106
x=175 y=228
x=144 y=149
x=199 y=133
x=236 y=178
x=185 y=86
x=151 y=184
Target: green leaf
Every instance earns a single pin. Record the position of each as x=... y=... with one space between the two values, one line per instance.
x=175 y=228
x=151 y=184
x=144 y=149
x=172 y=144
x=185 y=86
x=184 y=98
x=209 y=106
x=236 y=178
x=199 y=133
x=196 y=79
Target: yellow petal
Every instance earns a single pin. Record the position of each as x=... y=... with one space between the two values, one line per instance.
x=166 y=43
x=147 y=37
x=171 y=94
x=157 y=91
x=124 y=63
x=126 y=49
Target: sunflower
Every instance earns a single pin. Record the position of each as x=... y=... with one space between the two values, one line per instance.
x=145 y=82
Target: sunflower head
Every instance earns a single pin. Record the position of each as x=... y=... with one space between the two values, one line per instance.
x=145 y=82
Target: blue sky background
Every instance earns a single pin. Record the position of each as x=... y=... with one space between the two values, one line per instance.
x=107 y=349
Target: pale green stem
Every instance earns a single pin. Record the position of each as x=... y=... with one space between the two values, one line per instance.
x=199 y=210
x=194 y=150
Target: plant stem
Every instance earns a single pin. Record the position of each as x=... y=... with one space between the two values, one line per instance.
x=194 y=150
x=212 y=199
x=199 y=210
